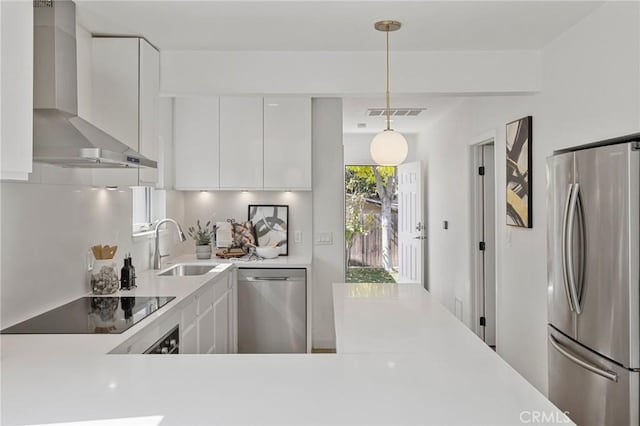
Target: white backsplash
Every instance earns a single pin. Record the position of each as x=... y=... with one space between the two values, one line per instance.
x=46 y=231
x=222 y=205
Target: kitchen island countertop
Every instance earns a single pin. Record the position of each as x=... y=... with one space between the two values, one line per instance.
x=440 y=376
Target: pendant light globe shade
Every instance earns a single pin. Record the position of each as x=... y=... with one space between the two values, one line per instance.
x=389 y=148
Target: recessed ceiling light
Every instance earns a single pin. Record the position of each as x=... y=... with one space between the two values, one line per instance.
x=273 y=105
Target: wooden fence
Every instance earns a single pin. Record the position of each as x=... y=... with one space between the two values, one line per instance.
x=367 y=249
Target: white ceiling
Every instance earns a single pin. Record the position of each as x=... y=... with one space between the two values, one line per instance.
x=335 y=25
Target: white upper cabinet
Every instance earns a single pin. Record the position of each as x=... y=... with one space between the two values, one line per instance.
x=243 y=143
x=124 y=102
x=240 y=143
x=287 y=143
x=149 y=87
x=16 y=137
x=196 y=143
x=165 y=144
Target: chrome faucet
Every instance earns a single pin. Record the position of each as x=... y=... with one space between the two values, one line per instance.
x=157 y=257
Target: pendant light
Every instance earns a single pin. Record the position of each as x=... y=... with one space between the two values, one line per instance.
x=388 y=148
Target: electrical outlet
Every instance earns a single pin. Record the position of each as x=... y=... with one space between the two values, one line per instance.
x=297 y=236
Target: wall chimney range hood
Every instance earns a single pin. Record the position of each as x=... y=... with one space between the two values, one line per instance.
x=60 y=137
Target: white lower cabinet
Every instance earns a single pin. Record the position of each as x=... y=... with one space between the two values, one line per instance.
x=208 y=320
x=221 y=330
x=206 y=331
x=189 y=340
x=188 y=329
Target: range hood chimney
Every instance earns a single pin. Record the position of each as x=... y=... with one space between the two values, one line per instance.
x=60 y=137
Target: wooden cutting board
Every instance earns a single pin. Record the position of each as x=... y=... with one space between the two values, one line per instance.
x=230 y=253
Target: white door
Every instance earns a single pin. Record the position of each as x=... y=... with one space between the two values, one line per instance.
x=410 y=223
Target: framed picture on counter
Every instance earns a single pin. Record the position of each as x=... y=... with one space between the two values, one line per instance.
x=271 y=225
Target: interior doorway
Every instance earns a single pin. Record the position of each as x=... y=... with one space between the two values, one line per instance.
x=483 y=192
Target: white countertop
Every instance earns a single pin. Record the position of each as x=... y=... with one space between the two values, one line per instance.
x=149 y=284
x=453 y=379
x=279 y=262
x=404 y=320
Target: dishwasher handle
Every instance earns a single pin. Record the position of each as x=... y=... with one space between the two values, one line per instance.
x=254 y=279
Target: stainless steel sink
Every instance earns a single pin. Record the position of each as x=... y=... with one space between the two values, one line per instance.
x=186 y=270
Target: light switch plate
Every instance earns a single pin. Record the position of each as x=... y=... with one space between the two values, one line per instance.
x=297 y=236
x=324 y=238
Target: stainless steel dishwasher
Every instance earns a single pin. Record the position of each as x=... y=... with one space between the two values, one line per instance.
x=272 y=310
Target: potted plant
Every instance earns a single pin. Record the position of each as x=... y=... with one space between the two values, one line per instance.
x=202 y=236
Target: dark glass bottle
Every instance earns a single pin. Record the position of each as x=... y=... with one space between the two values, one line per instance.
x=125 y=275
x=132 y=273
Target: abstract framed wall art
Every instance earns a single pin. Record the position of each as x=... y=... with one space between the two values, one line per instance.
x=271 y=225
x=519 y=205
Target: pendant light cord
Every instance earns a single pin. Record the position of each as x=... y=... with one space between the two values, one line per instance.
x=388 y=101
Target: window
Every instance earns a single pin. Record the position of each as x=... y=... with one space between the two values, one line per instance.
x=141 y=209
x=149 y=205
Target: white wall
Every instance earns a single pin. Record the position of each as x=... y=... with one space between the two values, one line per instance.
x=357 y=145
x=187 y=73
x=222 y=205
x=47 y=231
x=444 y=161
x=590 y=91
x=328 y=214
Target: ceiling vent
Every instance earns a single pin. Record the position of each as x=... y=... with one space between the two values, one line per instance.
x=395 y=112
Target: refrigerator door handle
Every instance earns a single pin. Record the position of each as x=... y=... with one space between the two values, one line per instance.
x=568 y=242
x=579 y=289
x=565 y=261
x=610 y=375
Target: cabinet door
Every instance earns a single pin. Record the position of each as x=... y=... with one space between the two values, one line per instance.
x=206 y=333
x=114 y=99
x=114 y=106
x=165 y=144
x=149 y=109
x=188 y=328
x=233 y=313
x=189 y=340
x=287 y=143
x=221 y=309
x=196 y=144
x=16 y=29
x=240 y=143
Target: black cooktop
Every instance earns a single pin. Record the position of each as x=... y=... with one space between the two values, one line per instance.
x=91 y=315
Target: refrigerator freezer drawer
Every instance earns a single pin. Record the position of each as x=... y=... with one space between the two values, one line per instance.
x=592 y=389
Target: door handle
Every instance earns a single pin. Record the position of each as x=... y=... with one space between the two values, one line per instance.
x=610 y=375
x=565 y=275
x=573 y=203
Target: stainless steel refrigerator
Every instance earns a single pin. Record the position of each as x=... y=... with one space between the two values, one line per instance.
x=593 y=281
